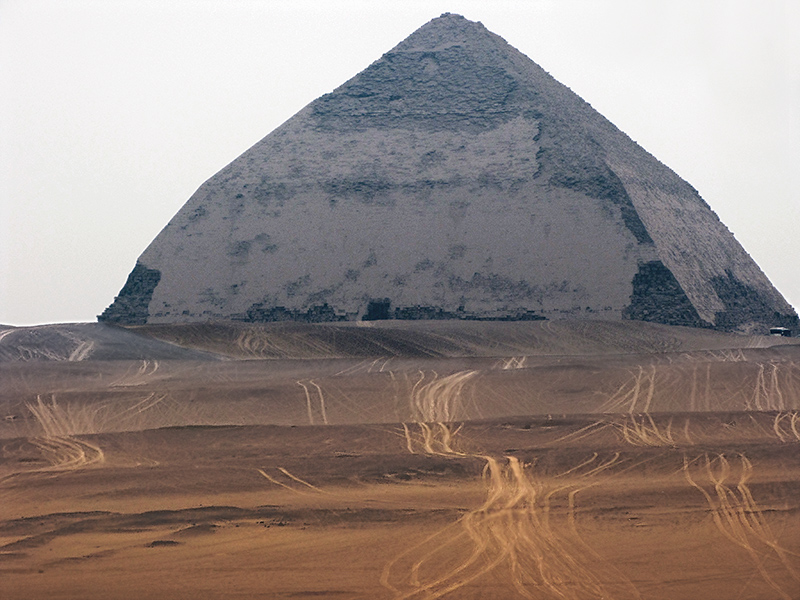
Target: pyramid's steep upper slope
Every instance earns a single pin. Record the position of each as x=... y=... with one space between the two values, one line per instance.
x=452 y=178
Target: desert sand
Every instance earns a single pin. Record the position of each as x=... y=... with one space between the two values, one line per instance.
x=458 y=460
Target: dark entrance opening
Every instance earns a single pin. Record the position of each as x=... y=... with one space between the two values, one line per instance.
x=378 y=310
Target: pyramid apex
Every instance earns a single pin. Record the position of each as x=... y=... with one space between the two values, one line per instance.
x=446 y=30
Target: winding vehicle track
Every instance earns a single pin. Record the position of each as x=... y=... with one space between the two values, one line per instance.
x=738 y=517
x=793 y=424
x=514 y=529
x=140 y=376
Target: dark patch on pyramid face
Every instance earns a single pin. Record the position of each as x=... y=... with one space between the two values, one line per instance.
x=130 y=307
x=451 y=179
x=433 y=90
x=657 y=297
x=743 y=304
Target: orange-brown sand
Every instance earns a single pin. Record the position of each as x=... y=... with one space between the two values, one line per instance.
x=657 y=474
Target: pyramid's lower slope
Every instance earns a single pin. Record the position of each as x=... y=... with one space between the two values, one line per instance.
x=453 y=178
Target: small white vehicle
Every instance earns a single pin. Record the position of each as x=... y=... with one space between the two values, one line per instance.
x=780 y=331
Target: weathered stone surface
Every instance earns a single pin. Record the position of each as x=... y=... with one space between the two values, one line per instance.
x=658 y=298
x=451 y=179
x=130 y=307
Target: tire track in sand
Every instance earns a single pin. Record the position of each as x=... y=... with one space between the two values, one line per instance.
x=321 y=400
x=512 y=530
x=293 y=478
x=738 y=517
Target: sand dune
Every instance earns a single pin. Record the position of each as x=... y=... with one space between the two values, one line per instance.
x=439 y=339
x=536 y=369
x=474 y=460
x=77 y=342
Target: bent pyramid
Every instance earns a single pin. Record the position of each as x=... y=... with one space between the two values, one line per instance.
x=452 y=178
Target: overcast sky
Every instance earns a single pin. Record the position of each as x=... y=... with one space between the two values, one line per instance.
x=113 y=112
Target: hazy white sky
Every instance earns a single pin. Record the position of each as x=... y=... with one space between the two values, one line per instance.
x=113 y=112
